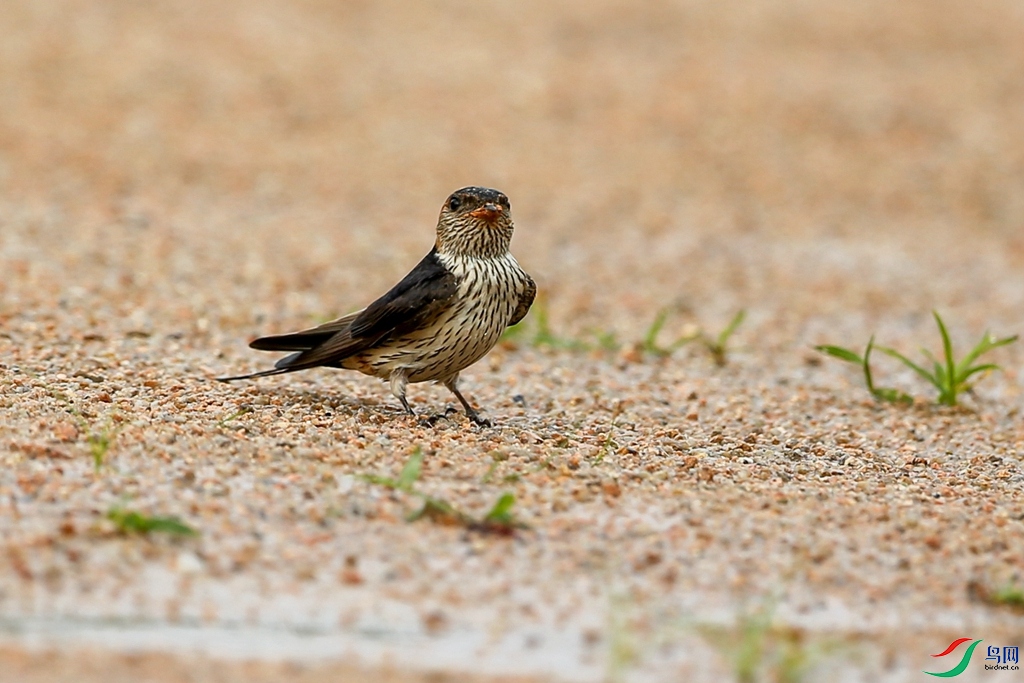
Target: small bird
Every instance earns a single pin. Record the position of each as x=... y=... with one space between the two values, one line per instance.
x=441 y=318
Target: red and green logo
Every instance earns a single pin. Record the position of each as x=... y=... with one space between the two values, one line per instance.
x=964 y=661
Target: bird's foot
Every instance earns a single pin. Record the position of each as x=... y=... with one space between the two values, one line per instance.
x=477 y=420
x=433 y=419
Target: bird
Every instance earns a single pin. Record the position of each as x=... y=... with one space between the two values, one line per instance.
x=445 y=315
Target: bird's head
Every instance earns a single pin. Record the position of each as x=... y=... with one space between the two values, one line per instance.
x=475 y=221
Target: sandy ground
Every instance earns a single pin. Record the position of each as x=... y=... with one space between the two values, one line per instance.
x=177 y=178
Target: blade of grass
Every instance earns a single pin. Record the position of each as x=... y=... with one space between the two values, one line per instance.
x=910 y=364
x=984 y=346
x=501 y=513
x=723 y=336
x=411 y=471
x=840 y=353
x=947 y=349
x=979 y=368
x=868 y=379
x=650 y=342
x=130 y=521
x=437 y=510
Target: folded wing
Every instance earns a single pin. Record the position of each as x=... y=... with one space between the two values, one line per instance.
x=411 y=304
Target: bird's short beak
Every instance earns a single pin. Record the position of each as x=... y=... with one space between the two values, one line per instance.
x=488 y=212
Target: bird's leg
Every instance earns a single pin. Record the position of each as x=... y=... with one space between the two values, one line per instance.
x=453 y=386
x=399 y=381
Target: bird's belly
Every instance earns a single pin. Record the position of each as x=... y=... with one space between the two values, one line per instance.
x=458 y=338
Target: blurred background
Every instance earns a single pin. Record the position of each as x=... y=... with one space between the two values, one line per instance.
x=288 y=158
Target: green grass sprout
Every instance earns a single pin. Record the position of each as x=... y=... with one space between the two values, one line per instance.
x=406 y=478
x=948 y=376
x=1009 y=596
x=498 y=520
x=128 y=521
x=100 y=443
x=759 y=649
x=880 y=393
x=544 y=336
x=99 y=440
x=607 y=340
x=244 y=410
x=501 y=513
x=649 y=344
x=718 y=346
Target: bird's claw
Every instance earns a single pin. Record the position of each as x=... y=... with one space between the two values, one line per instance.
x=473 y=417
x=479 y=421
x=433 y=419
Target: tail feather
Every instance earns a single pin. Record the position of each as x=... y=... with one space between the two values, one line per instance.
x=304 y=340
x=264 y=373
x=298 y=341
x=282 y=366
x=311 y=348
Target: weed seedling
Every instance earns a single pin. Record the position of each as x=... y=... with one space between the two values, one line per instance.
x=880 y=393
x=543 y=335
x=607 y=340
x=718 y=346
x=498 y=520
x=1009 y=596
x=406 y=479
x=244 y=410
x=950 y=377
x=650 y=345
x=608 y=444
x=99 y=441
x=760 y=650
x=99 y=444
x=128 y=521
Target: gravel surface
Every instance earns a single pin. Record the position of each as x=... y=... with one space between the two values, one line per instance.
x=178 y=179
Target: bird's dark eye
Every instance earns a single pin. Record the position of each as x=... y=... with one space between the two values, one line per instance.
x=503 y=200
x=454 y=203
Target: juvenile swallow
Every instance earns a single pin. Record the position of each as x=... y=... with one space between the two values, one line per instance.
x=441 y=318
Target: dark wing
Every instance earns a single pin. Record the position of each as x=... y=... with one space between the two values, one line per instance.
x=525 y=301
x=413 y=303
x=306 y=339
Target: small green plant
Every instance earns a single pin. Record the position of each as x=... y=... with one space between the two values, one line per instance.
x=500 y=514
x=650 y=345
x=128 y=521
x=100 y=443
x=880 y=393
x=99 y=440
x=608 y=445
x=607 y=340
x=760 y=650
x=244 y=410
x=950 y=377
x=718 y=346
x=544 y=336
x=623 y=643
x=499 y=519
x=1009 y=596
